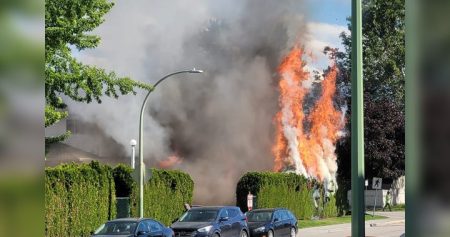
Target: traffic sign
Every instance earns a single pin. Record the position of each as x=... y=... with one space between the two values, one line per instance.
x=376 y=183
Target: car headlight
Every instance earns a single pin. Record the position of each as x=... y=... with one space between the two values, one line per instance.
x=205 y=229
x=260 y=229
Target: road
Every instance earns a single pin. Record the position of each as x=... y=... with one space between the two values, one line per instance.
x=393 y=226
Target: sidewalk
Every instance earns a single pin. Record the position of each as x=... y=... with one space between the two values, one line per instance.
x=393 y=226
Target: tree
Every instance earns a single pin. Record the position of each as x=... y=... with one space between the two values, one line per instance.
x=383 y=73
x=383 y=30
x=67 y=23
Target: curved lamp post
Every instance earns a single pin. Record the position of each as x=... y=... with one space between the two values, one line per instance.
x=141 y=139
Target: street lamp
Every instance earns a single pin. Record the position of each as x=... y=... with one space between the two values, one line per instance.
x=141 y=139
x=133 y=156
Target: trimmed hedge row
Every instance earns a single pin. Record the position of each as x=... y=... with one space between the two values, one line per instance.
x=283 y=190
x=164 y=195
x=78 y=198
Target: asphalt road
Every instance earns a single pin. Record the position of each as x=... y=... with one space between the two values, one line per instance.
x=393 y=226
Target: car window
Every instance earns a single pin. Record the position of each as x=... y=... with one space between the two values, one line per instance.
x=154 y=226
x=116 y=228
x=224 y=213
x=277 y=215
x=232 y=213
x=291 y=215
x=259 y=216
x=199 y=215
x=284 y=215
x=143 y=226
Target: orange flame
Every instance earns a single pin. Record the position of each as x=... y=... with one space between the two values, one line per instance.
x=170 y=162
x=311 y=153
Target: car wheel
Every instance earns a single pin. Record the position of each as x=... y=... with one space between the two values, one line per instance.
x=216 y=235
x=270 y=233
x=243 y=233
x=293 y=232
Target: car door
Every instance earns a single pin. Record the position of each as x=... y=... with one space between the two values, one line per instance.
x=277 y=224
x=224 y=223
x=156 y=230
x=235 y=219
x=286 y=223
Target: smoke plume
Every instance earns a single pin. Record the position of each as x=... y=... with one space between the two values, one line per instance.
x=220 y=123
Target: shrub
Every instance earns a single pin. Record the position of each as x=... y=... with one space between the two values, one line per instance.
x=283 y=190
x=78 y=198
x=164 y=195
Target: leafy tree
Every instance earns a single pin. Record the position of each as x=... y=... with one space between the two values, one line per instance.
x=383 y=30
x=384 y=78
x=67 y=24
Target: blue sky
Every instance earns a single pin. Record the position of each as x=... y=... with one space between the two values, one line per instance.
x=330 y=11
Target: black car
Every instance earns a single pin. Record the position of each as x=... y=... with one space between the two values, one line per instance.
x=133 y=227
x=211 y=222
x=276 y=222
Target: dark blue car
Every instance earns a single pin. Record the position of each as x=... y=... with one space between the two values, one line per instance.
x=133 y=227
x=275 y=222
x=211 y=222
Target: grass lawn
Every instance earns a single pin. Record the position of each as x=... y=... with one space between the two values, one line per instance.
x=333 y=221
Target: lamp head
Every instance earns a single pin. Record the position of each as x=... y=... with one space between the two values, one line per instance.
x=196 y=70
x=133 y=142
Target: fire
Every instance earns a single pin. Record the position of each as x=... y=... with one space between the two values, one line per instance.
x=170 y=162
x=310 y=152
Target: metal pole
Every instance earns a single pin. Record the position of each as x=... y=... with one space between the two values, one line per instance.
x=141 y=139
x=133 y=155
x=375 y=202
x=357 y=125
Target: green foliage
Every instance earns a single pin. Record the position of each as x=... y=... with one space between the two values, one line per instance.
x=78 y=198
x=164 y=195
x=67 y=23
x=81 y=197
x=286 y=190
x=383 y=30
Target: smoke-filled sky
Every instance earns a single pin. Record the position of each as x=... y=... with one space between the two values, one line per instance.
x=219 y=122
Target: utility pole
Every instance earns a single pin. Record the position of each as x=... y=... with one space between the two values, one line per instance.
x=357 y=127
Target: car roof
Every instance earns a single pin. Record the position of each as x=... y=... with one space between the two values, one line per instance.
x=267 y=209
x=130 y=219
x=212 y=207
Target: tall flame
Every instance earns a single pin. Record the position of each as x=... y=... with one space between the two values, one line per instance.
x=307 y=152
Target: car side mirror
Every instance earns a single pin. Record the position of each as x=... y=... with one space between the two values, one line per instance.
x=276 y=220
x=222 y=219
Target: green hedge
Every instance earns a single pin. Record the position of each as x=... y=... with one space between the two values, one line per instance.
x=164 y=195
x=81 y=197
x=286 y=190
x=78 y=198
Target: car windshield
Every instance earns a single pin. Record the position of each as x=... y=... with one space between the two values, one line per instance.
x=116 y=228
x=259 y=216
x=199 y=216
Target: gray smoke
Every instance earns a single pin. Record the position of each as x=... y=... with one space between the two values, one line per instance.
x=219 y=122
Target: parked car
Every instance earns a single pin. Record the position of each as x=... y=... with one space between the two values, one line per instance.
x=133 y=227
x=275 y=222
x=211 y=222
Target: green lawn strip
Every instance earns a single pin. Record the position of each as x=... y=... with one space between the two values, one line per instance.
x=333 y=221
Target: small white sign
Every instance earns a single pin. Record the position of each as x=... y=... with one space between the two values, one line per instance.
x=376 y=183
x=250 y=201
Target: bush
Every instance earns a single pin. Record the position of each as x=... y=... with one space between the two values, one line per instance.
x=81 y=197
x=78 y=198
x=164 y=195
x=286 y=190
